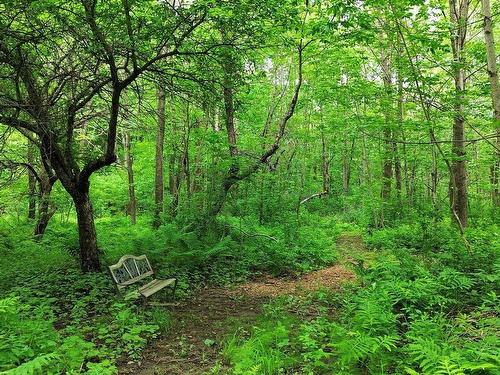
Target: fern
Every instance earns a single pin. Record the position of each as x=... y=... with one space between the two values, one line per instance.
x=427 y=354
x=447 y=367
x=8 y=305
x=35 y=366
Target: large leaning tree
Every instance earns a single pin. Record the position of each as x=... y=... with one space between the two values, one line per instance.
x=64 y=64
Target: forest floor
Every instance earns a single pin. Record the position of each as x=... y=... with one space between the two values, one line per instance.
x=200 y=324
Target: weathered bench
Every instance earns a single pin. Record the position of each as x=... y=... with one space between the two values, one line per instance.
x=131 y=269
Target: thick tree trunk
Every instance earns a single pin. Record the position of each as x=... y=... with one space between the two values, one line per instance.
x=132 y=205
x=89 y=253
x=458 y=179
x=31 y=182
x=160 y=138
x=495 y=93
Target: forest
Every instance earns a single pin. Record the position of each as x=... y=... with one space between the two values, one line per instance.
x=240 y=187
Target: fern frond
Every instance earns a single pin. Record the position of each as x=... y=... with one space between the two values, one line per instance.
x=35 y=366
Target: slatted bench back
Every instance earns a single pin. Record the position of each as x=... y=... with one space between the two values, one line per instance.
x=130 y=269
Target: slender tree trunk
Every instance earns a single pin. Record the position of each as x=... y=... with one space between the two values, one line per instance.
x=387 y=166
x=177 y=165
x=459 y=11
x=186 y=168
x=346 y=165
x=411 y=182
x=495 y=93
x=367 y=174
x=397 y=158
x=325 y=164
x=229 y=118
x=132 y=201
x=160 y=138
x=405 y=167
x=261 y=199
x=176 y=185
x=397 y=169
x=387 y=133
x=89 y=252
x=220 y=197
x=197 y=180
x=45 y=212
x=434 y=174
x=172 y=175
x=31 y=182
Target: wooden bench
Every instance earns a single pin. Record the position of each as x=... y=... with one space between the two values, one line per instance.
x=131 y=269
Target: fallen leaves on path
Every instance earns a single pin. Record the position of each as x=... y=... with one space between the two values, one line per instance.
x=327 y=278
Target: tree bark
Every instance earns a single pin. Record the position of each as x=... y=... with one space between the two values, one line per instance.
x=387 y=133
x=160 y=139
x=177 y=164
x=31 y=182
x=89 y=252
x=186 y=168
x=495 y=93
x=132 y=205
x=458 y=180
x=45 y=212
x=387 y=168
x=325 y=164
x=434 y=174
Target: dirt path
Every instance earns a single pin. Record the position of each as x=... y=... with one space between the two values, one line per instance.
x=192 y=345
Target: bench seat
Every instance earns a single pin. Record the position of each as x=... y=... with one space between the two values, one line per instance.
x=154 y=286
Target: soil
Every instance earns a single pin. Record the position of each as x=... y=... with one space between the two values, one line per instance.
x=193 y=344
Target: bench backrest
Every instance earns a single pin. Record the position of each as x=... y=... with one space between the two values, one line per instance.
x=130 y=269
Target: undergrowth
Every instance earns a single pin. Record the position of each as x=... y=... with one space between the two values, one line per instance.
x=53 y=319
x=428 y=305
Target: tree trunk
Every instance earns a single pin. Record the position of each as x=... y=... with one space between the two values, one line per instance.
x=367 y=179
x=132 y=205
x=387 y=133
x=215 y=207
x=458 y=179
x=325 y=164
x=186 y=169
x=397 y=169
x=45 y=212
x=31 y=182
x=89 y=253
x=160 y=138
x=397 y=158
x=346 y=165
x=495 y=93
x=387 y=168
x=434 y=175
